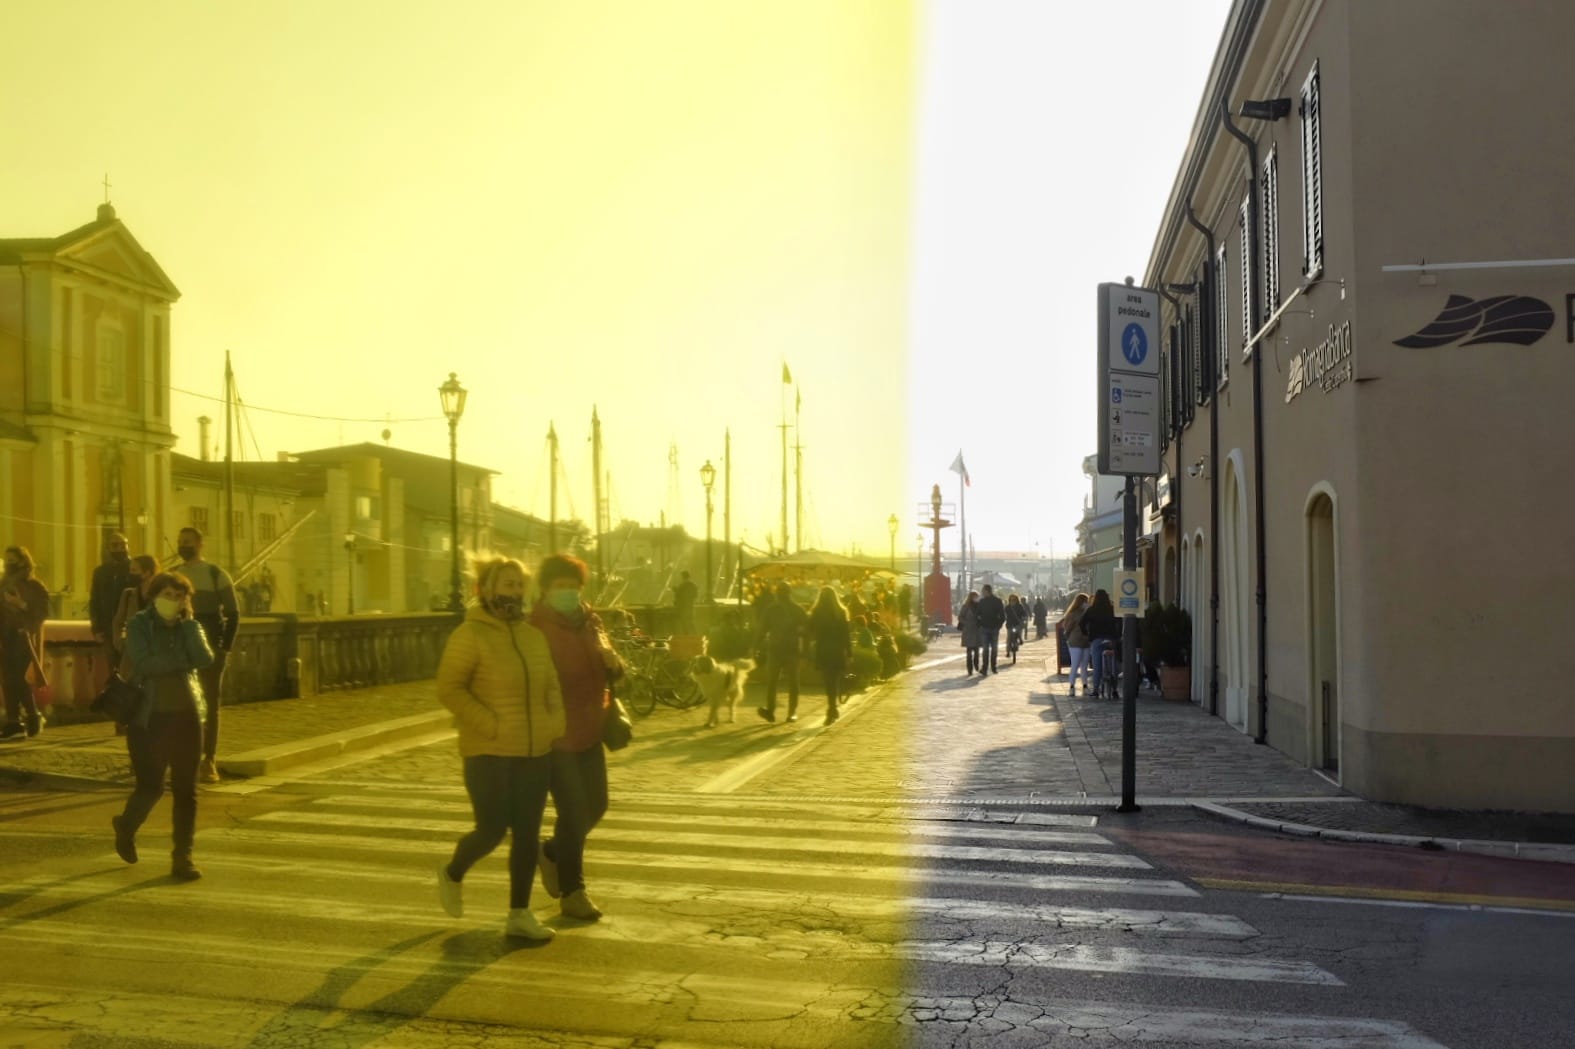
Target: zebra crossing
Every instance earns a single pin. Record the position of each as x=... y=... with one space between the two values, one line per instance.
x=730 y=922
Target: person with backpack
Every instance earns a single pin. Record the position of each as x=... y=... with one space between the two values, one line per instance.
x=214 y=608
x=1103 y=628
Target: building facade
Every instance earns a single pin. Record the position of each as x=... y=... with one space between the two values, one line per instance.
x=1366 y=276
x=85 y=431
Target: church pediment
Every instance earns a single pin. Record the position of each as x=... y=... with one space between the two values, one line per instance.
x=113 y=253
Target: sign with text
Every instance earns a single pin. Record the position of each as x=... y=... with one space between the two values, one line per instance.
x=1129 y=405
x=1127 y=593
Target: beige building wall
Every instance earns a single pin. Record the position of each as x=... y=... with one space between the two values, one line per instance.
x=1412 y=522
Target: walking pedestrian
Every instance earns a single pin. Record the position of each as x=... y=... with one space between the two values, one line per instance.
x=1041 y=618
x=584 y=657
x=781 y=633
x=833 y=641
x=133 y=599
x=213 y=603
x=24 y=605
x=905 y=603
x=1103 y=630
x=972 y=634
x=167 y=650
x=992 y=615
x=497 y=678
x=684 y=595
x=111 y=578
x=1077 y=642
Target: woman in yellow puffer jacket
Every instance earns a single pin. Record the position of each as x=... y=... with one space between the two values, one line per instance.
x=497 y=677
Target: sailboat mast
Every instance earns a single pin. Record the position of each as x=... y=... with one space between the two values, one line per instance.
x=798 y=476
x=552 y=489
x=727 y=510
x=229 y=465
x=596 y=495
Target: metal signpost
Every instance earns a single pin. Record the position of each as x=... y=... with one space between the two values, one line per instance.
x=1128 y=444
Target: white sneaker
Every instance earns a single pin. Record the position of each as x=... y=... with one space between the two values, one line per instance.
x=451 y=894
x=524 y=924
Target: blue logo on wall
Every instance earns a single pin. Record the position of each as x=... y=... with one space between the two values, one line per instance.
x=1134 y=344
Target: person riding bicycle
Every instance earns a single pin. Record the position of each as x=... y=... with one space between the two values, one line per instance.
x=1103 y=628
x=1016 y=623
x=1041 y=618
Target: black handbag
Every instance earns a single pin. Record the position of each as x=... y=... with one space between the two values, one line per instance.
x=617 y=728
x=119 y=701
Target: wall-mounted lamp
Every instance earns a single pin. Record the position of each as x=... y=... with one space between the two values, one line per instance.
x=1266 y=108
x=1182 y=289
x=1200 y=468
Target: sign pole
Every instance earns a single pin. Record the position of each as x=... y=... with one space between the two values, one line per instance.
x=1129 y=644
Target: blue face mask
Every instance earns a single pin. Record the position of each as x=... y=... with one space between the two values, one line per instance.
x=566 y=602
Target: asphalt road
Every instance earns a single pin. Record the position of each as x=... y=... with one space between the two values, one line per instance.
x=744 y=910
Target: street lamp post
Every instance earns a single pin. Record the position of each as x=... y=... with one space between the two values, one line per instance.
x=452 y=395
x=708 y=478
x=350 y=573
x=891 y=526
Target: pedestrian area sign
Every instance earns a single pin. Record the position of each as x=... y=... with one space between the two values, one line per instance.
x=1128 y=593
x=1129 y=406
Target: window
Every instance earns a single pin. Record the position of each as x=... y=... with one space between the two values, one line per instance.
x=110 y=364
x=265 y=528
x=1271 y=231
x=1221 y=312
x=1312 y=177
x=1246 y=274
x=238 y=520
x=366 y=507
x=199 y=518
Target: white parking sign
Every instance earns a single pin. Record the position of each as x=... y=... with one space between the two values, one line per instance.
x=1128 y=596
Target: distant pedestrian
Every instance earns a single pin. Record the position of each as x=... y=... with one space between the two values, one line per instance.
x=167 y=650
x=110 y=580
x=24 y=605
x=992 y=616
x=1041 y=618
x=213 y=602
x=1103 y=630
x=828 y=629
x=1016 y=621
x=781 y=634
x=972 y=635
x=684 y=601
x=1077 y=642
x=133 y=599
x=586 y=661
x=497 y=678
x=905 y=603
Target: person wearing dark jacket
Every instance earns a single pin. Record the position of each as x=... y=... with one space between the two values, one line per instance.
x=213 y=603
x=781 y=631
x=1103 y=629
x=972 y=639
x=110 y=580
x=586 y=661
x=829 y=629
x=992 y=616
x=1041 y=618
x=24 y=605
x=166 y=648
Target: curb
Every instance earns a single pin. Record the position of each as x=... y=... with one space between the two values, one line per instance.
x=267 y=760
x=58 y=780
x=1522 y=850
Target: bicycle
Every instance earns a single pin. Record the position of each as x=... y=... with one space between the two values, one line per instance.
x=1012 y=643
x=1109 y=672
x=653 y=675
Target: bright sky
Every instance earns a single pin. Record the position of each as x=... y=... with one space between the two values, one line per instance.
x=649 y=207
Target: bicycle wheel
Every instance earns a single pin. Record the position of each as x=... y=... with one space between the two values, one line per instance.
x=641 y=693
x=685 y=689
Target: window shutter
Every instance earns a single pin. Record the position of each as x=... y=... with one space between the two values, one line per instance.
x=1193 y=385
x=1271 y=232
x=1246 y=272
x=1312 y=177
x=1221 y=314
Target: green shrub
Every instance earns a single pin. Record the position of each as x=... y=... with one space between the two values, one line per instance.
x=865 y=665
x=911 y=645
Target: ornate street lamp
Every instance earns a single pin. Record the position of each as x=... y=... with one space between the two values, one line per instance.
x=708 y=478
x=350 y=572
x=453 y=398
x=891 y=526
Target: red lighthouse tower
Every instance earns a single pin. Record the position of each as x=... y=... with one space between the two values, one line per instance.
x=937 y=585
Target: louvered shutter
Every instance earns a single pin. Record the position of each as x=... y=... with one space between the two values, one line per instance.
x=1312 y=177
x=1221 y=316
x=1271 y=232
x=1246 y=272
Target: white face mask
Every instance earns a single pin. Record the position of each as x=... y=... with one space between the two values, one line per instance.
x=167 y=607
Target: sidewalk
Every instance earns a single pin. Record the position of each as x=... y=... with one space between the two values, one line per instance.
x=1013 y=737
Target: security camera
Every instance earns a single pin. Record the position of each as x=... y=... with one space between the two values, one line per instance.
x=1266 y=108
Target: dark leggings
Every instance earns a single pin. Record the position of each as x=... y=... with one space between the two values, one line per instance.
x=507 y=796
x=171 y=741
x=831 y=674
x=579 y=794
x=15 y=658
x=992 y=641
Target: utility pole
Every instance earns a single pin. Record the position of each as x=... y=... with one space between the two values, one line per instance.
x=798 y=475
x=596 y=495
x=229 y=467
x=727 y=509
x=552 y=489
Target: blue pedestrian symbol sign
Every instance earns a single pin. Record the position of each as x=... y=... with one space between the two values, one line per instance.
x=1134 y=344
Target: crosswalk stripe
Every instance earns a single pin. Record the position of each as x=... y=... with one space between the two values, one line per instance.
x=1125 y=960
x=904 y=850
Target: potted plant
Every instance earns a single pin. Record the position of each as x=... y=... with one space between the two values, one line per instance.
x=1167 y=641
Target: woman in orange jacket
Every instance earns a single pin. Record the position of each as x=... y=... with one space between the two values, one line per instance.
x=496 y=676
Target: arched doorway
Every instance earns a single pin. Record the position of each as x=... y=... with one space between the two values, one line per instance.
x=1323 y=635
x=1234 y=597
